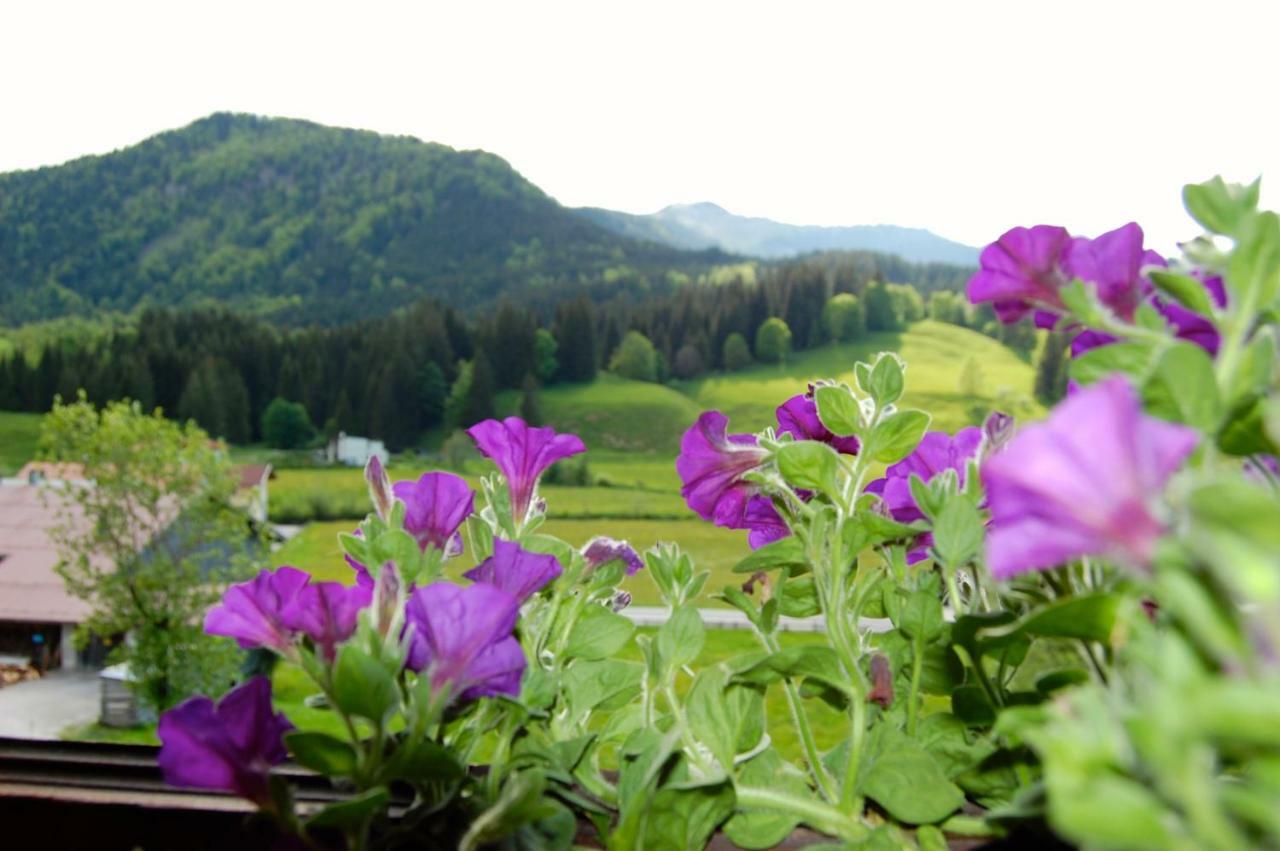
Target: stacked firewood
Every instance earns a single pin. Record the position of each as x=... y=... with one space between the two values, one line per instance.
x=10 y=674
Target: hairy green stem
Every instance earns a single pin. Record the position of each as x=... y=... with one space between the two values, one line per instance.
x=821 y=777
x=816 y=814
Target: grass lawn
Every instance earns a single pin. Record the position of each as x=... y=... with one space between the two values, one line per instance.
x=315 y=549
x=18 y=436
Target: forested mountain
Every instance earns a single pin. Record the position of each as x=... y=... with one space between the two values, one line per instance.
x=702 y=226
x=300 y=222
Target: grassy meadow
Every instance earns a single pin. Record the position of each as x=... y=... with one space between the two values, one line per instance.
x=18 y=436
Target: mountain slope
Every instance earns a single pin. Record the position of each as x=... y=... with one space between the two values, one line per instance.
x=701 y=226
x=306 y=222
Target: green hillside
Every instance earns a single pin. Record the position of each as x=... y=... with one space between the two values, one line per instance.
x=297 y=220
x=633 y=417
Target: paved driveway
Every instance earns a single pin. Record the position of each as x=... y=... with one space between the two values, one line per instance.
x=44 y=708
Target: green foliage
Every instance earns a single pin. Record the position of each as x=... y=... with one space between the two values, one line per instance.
x=530 y=405
x=217 y=399
x=545 y=364
x=843 y=318
x=301 y=221
x=285 y=425
x=773 y=341
x=635 y=358
x=736 y=354
x=161 y=483
x=882 y=312
x=1051 y=369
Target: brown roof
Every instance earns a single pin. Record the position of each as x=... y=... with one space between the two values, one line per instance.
x=252 y=474
x=51 y=471
x=29 y=589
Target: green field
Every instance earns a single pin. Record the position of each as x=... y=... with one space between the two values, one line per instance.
x=935 y=353
x=18 y=436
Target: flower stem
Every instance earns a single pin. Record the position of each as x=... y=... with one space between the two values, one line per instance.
x=816 y=814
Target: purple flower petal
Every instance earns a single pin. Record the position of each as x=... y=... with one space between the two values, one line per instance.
x=327 y=612
x=452 y=630
x=515 y=570
x=1081 y=483
x=798 y=416
x=938 y=451
x=711 y=465
x=229 y=746
x=435 y=506
x=601 y=550
x=1113 y=263
x=765 y=523
x=522 y=454
x=1021 y=271
x=250 y=612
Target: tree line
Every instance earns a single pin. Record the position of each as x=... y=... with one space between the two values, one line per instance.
x=430 y=366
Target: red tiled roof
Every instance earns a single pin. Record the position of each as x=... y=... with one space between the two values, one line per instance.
x=52 y=471
x=29 y=589
x=252 y=474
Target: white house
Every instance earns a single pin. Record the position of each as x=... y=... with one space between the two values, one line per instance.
x=355 y=451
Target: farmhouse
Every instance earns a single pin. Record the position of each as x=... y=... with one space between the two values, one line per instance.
x=37 y=616
x=355 y=451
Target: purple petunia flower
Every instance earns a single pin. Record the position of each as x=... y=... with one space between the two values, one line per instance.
x=1021 y=272
x=601 y=550
x=250 y=612
x=521 y=454
x=461 y=638
x=764 y=521
x=711 y=465
x=1082 y=483
x=938 y=451
x=1113 y=263
x=798 y=416
x=229 y=746
x=515 y=570
x=435 y=506
x=327 y=611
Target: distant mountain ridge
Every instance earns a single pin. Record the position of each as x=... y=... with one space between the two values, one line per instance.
x=706 y=225
x=300 y=222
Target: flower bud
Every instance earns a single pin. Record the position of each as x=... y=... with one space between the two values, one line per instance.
x=386 y=599
x=379 y=487
x=620 y=601
x=998 y=430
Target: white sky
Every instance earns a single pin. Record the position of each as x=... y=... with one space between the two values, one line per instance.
x=963 y=117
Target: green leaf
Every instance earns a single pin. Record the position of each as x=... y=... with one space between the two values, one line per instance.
x=685 y=818
x=1092 y=617
x=521 y=802
x=1220 y=206
x=1184 y=289
x=810 y=465
x=798 y=598
x=917 y=613
x=353 y=812
x=886 y=380
x=680 y=638
x=911 y=786
x=363 y=686
x=838 y=409
x=421 y=761
x=1253 y=275
x=898 y=434
x=1183 y=388
x=1132 y=359
x=808 y=660
x=958 y=532
x=766 y=828
x=321 y=753
x=787 y=552
x=970 y=705
x=598 y=634
x=728 y=719
x=1245 y=430
x=606 y=683
x=1107 y=811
